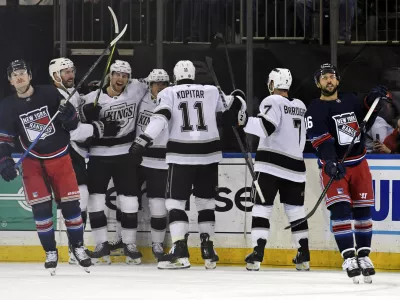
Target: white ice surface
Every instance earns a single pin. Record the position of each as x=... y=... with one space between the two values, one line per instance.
x=30 y=281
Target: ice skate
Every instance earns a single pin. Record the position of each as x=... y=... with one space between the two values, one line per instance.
x=365 y=264
x=177 y=258
x=350 y=265
x=101 y=254
x=51 y=262
x=71 y=259
x=158 y=250
x=208 y=252
x=81 y=257
x=255 y=258
x=116 y=247
x=302 y=259
x=133 y=255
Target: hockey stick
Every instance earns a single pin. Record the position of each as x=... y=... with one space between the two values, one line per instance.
x=245 y=155
x=228 y=59
x=359 y=131
x=116 y=26
x=114 y=41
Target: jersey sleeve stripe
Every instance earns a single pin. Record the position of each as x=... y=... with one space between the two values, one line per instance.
x=164 y=112
x=317 y=141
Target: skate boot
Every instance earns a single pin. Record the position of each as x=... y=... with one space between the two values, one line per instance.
x=51 y=261
x=350 y=264
x=116 y=247
x=81 y=257
x=302 y=259
x=177 y=258
x=158 y=250
x=208 y=252
x=365 y=264
x=255 y=258
x=101 y=254
x=71 y=259
x=133 y=255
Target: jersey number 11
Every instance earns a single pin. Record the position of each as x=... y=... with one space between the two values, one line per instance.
x=198 y=105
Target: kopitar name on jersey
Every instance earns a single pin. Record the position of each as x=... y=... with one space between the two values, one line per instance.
x=121 y=112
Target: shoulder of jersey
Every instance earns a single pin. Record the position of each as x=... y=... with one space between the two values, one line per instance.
x=48 y=88
x=273 y=98
x=299 y=102
x=91 y=95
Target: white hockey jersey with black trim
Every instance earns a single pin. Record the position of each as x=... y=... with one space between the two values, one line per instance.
x=122 y=108
x=189 y=111
x=281 y=153
x=154 y=157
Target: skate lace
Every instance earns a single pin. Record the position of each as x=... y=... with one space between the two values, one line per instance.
x=350 y=264
x=115 y=242
x=365 y=262
x=172 y=250
x=157 y=247
x=131 y=248
x=98 y=248
x=51 y=256
x=80 y=253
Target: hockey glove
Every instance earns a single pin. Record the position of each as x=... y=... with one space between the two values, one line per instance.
x=89 y=112
x=105 y=128
x=335 y=169
x=7 y=169
x=139 y=146
x=378 y=91
x=68 y=115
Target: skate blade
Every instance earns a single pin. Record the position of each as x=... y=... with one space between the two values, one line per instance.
x=133 y=261
x=368 y=279
x=52 y=271
x=305 y=266
x=356 y=279
x=180 y=263
x=105 y=260
x=254 y=266
x=117 y=252
x=210 y=265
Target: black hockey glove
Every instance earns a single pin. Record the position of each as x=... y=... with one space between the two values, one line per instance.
x=378 y=91
x=7 y=169
x=139 y=146
x=105 y=128
x=89 y=112
x=335 y=169
x=68 y=115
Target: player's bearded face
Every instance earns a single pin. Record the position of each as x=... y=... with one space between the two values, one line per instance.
x=119 y=81
x=68 y=77
x=157 y=87
x=329 y=84
x=21 y=80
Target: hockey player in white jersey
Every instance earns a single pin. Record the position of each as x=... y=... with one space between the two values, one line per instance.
x=279 y=166
x=188 y=110
x=110 y=159
x=62 y=71
x=153 y=170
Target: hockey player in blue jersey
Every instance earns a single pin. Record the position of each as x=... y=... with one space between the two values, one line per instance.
x=331 y=123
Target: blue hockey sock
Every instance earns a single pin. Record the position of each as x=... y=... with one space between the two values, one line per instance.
x=42 y=213
x=73 y=221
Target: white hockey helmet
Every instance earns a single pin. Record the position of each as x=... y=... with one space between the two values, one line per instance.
x=58 y=64
x=121 y=66
x=282 y=79
x=184 y=69
x=158 y=75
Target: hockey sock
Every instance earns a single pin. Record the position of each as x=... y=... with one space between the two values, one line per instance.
x=362 y=226
x=260 y=223
x=341 y=225
x=295 y=213
x=129 y=206
x=83 y=191
x=73 y=222
x=118 y=227
x=158 y=221
x=206 y=215
x=42 y=213
x=98 y=220
x=84 y=218
x=178 y=224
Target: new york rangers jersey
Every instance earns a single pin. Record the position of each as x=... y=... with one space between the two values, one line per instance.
x=280 y=151
x=25 y=118
x=189 y=112
x=154 y=157
x=331 y=126
x=122 y=108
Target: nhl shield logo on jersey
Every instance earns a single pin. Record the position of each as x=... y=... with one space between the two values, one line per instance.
x=122 y=113
x=346 y=128
x=144 y=119
x=35 y=121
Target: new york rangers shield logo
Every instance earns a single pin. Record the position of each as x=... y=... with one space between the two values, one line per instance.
x=35 y=121
x=346 y=128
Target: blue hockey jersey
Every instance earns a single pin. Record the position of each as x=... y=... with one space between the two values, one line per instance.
x=331 y=126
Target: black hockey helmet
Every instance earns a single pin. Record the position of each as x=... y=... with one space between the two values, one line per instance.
x=324 y=69
x=18 y=64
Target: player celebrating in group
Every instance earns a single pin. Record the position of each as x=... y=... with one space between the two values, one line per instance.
x=279 y=166
x=48 y=168
x=193 y=152
x=332 y=122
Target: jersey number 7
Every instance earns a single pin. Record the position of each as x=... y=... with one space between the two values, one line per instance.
x=297 y=124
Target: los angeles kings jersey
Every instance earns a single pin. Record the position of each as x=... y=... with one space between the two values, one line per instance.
x=25 y=118
x=154 y=157
x=189 y=111
x=281 y=153
x=122 y=108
